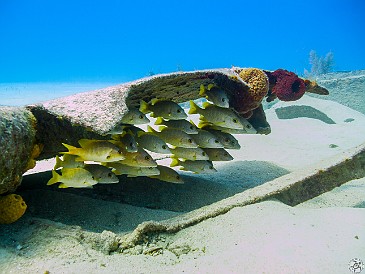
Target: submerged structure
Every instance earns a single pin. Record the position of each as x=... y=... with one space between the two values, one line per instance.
x=40 y=131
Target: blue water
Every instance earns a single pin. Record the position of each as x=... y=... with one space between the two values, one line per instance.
x=18 y=94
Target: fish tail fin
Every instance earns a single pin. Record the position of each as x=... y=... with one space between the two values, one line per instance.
x=193 y=108
x=202 y=90
x=58 y=163
x=71 y=149
x=143 y=107
x=154 y=101
x=159 y=121
x=210 y=86
x=55 y=178
x=174 y=162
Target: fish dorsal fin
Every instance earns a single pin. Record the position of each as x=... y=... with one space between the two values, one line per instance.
x=202 y=90
x=86 y=142
x=155 y=100
x=141 y=133
x=210 y=86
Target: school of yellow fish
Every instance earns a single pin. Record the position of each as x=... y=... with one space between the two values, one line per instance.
x=193 y=148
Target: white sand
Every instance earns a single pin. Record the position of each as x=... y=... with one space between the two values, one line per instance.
x=319 y=236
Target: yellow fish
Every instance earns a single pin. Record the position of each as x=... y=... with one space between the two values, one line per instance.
x=134 y=117
x=218 y=154
x=68 y=161
x=199 y=166
x=125 y=141
x=153 y=143
x=248 y=129
x=140 y=159
x=184 y=125
x=102 y=174
x=226 y=139
x=218 y=116
x=165 y=109
x=216 y=95
x=95 y=150
x=73 y=177
x=205 y=139
x=168 y=175
x=189 y=153
x=174 y=137
x=133 y=171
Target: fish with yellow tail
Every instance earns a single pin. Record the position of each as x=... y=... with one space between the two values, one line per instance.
x=222 y=117
x=189 y=153
x=174 y=137
x=200 y=166
x=102 y=174
x=226 y=139
x=95 y=150
x=152 y=143
x=134 y=117
x=140 y=159
x=184 y=125
x=168 y=175
x=248 y=129
x=205 y=139
x=133 y=171
x=216 y=95
x=162 y=108
x=126 y=141
x=218 y=154
x=73 y=177
x=68 y=161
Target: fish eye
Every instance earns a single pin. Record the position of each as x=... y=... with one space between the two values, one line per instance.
x=92 y=178
x=109 y=175
x=179 y=110
x=147 y=158
x=177 y=177
x=203 y=153
x=150 y=167
x=248 y=126
x=108 y=157
x=223 y=99
x=235 y=121
x=131 y=144
x=225 y=154
x=141 y=116
x=190 y=141
x=164 y=147
x=211 y=167
x=216 y=141
x=191 y=127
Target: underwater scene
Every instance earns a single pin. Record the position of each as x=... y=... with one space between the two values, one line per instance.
x=196 y=137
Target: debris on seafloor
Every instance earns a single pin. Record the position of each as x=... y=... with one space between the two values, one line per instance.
x=12 y=207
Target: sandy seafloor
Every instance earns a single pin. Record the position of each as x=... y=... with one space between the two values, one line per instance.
x=321 y=235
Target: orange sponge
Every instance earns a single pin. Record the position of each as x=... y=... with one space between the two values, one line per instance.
x=12 y=207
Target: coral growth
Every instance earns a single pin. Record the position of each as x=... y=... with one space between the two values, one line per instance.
x=258 y=82
x=12 y=207
x=285 y=85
